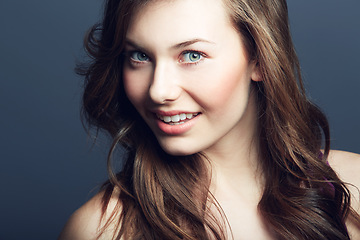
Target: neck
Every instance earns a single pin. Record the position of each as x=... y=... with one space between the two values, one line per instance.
x=236 y=172
x=234 y=164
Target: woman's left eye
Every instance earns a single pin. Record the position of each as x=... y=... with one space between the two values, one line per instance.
x=191 y=57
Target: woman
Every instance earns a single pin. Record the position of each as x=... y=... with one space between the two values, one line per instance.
x=206 y=97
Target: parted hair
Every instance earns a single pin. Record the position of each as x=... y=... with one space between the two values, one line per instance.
x=166 y=197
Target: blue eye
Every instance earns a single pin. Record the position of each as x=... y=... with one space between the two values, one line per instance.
x=139 y=57
x=191 y=57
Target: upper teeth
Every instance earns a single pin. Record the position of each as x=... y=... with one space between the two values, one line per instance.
x=176 y=118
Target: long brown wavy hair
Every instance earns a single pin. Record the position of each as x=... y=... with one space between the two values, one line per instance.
x=164 y=196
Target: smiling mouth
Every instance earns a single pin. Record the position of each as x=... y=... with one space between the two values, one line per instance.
x=177 y=119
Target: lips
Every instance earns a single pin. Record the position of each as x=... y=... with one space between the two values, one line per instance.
x=176 y=118
x=175 y=122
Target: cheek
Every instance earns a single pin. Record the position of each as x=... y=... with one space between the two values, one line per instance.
x=224 y=88
x=135 y=87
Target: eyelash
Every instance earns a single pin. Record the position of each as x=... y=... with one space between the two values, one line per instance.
x=202 y=56
x=133 y=62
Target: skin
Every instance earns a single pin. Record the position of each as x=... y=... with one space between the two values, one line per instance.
x=85 y=222
x=160 y=77
x=216 y=85
x=347 y=166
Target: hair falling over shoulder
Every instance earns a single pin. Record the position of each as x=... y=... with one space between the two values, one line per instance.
x=166 y=197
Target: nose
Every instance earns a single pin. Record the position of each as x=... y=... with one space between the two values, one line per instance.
x=164 y=86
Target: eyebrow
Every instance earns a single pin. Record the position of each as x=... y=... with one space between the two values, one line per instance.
x=190 y=42
x=176 y=46
x=134 y=45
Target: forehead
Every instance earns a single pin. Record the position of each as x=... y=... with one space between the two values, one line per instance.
x=161 y=20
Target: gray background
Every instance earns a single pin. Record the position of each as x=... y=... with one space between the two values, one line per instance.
x=49 y=166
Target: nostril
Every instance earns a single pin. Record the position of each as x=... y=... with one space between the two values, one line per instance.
x=164 y=86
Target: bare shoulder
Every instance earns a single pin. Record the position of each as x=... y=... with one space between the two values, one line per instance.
x=86 y=222
x=347 y=166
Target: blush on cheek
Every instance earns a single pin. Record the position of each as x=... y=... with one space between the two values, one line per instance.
x=137 y=82
x=133 y=86
x=127 y=86
x=131 y=93
x=223 y=87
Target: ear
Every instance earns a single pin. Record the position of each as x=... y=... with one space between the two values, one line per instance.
x=256 y=75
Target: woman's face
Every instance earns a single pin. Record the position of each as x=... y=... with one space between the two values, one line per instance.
x=188 y=75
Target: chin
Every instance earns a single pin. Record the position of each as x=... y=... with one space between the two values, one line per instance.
x=178 y=151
